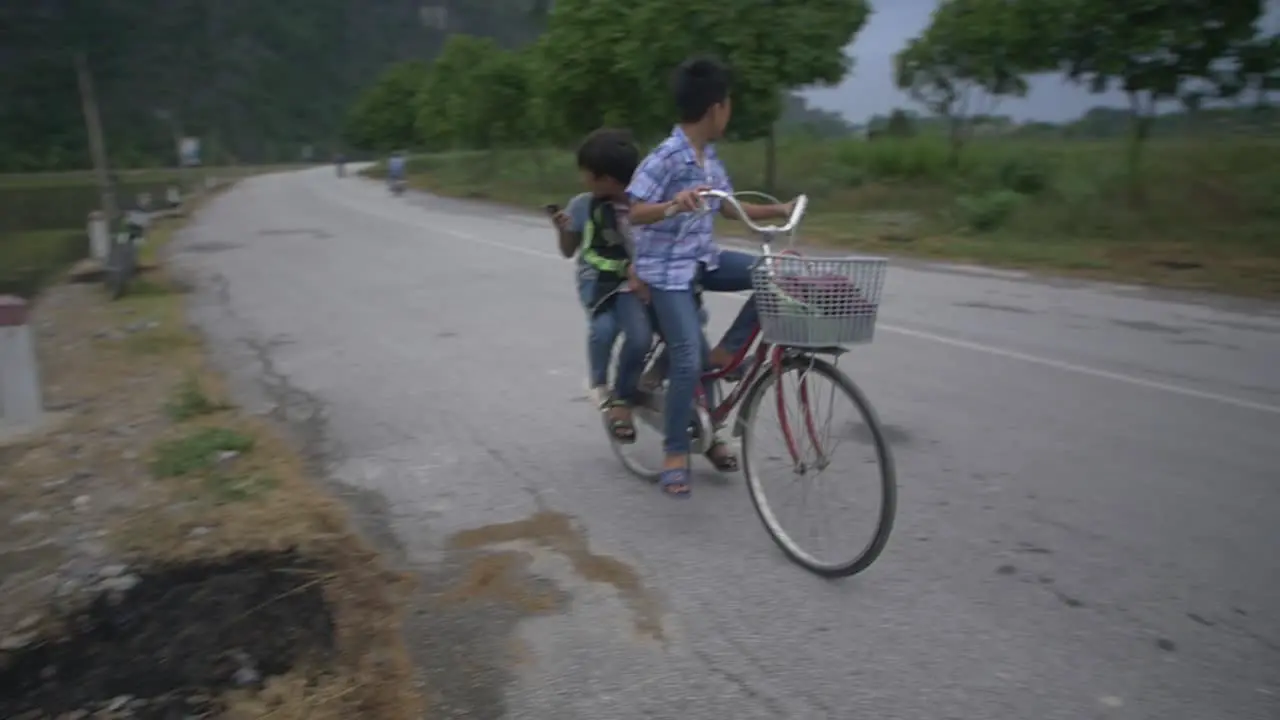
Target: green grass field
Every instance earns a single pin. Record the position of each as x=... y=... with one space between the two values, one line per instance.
x=1206 y=214
x=43 y=216
x=30 y=260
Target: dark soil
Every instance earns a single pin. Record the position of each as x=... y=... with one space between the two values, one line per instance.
x=170 y=645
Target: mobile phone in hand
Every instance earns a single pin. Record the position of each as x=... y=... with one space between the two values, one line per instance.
x=551 y=208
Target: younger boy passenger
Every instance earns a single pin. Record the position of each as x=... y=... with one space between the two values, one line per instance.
x=594 y=227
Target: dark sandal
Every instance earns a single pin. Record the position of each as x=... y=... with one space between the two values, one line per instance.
x=726 y=462
x=624 y=431
x=674 y=482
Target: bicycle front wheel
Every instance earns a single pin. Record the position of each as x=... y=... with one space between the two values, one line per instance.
x=794 y=424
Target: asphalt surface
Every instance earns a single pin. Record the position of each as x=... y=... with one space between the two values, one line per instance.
x=1089 y=511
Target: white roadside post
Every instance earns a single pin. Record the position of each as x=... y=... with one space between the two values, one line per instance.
x=98 y=235
x=20 y=401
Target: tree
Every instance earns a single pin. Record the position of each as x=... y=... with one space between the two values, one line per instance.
x=497 y=107
x=581 y=75
x=1150 y=49
x=383 y=117
x=444 y=99
x=1257 y=68
x=899 y=125
x=973 y=54
x=773 y=46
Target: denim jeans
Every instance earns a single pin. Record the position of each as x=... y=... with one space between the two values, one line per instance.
x=677 y=314
x=625 y=316
x=734 y=275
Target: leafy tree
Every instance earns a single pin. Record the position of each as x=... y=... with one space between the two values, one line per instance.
x=444 y=100
x=772 y=47
x=973 y=54
x=603 y=63
x=1257 y=68
x=1150 y=49
x=899 y=125
x=581 y=77
x=383 y=117
x=497 y=109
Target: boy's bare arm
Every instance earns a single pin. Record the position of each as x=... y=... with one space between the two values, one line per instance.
x=649 y=213
x=569 y=242
x=643 y=213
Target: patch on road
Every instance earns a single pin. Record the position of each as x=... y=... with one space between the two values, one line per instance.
x=978 y=305
x=209 y=248
x=1144 y=326
x=296 y=232
x=554 y=531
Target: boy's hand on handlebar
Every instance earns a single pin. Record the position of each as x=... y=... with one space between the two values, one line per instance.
x=560 y=220
x=688 y=200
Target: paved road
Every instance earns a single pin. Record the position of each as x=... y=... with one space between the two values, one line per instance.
x=1090 y=483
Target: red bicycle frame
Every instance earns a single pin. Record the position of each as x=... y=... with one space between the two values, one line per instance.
x=774 y=354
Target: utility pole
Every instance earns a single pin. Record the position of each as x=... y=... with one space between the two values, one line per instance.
x=97 y=145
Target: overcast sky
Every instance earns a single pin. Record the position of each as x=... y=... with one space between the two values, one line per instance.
x=869 y=89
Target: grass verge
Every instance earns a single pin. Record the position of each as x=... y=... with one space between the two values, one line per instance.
x=1204 y=215
x=227 y=582
x=29 y=260
x=140 y=176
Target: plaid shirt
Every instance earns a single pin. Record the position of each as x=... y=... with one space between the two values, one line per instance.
x=668 y=252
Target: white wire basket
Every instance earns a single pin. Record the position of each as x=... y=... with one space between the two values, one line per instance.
x=818 y=302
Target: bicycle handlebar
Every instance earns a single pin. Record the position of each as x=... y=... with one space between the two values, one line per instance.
x=801 y=204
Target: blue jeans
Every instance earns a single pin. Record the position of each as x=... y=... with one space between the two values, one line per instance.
x=677 y=314
x=626 y=316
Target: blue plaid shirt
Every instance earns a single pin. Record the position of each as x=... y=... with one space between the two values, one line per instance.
x=668 y=252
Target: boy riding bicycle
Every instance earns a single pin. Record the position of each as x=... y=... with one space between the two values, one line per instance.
x=594 y=227
x=671 y=253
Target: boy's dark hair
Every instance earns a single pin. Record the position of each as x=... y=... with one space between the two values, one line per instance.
x=610 y=153
x=698 y=84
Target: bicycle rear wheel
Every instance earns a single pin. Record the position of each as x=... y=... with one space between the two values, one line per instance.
x=807 y=451
x=644 y=457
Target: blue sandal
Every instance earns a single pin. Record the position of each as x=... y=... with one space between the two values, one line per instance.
x=674 y=482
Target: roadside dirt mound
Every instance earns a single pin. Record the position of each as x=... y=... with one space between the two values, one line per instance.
x=171 y=644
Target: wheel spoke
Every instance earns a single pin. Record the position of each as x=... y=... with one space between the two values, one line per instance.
x=811 y=457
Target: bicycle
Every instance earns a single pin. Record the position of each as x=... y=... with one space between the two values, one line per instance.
x=807 y=308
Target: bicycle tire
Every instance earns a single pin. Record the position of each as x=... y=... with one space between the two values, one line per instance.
x=764 y=387
x=620 y=449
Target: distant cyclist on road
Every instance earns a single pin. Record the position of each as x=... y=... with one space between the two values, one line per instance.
x=395 y=170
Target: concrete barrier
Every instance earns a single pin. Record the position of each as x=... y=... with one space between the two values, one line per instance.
x=98 y=235
x=20 y=398
x=173 y=196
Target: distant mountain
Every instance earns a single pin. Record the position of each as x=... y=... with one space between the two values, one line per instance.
x=255 y=80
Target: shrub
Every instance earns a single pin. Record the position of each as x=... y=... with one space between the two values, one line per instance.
x=1024 y=175
x=989 y=211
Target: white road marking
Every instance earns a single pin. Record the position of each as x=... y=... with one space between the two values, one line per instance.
x=895 y=329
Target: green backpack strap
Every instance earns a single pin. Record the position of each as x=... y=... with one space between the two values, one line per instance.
x=601 y=217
